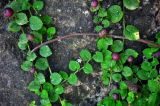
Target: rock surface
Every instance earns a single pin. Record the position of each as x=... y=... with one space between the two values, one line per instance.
x=69 y=16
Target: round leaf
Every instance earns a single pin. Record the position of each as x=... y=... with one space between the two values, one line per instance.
x=46 y=19
x=74 y=65
x=117 y=46
x=131 y=32
x=127 y=71
x=115 y=13
x=44 y=94
x=45 y=51
x=51 y=32
x=13 y=27
x=31 y=56
x=26 y=66
x=59 y=89
x=72 y=79
x=87 y=68
x=55 y=78
x=98 y=57
x=116 y=77
x=41 y=64
x=131 y=4
x=21 y=19
x=40 y=78
x=35 y=23
x=85 y=55
x=38 y=5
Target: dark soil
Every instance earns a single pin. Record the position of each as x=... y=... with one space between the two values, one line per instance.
x=69 y=16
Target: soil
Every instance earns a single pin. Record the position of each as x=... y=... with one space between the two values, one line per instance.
x=69 y=16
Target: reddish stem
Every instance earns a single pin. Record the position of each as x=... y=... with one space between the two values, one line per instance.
x=90 y=34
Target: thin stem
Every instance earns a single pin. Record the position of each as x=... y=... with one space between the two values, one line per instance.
x=50 y=71
x=93 y=35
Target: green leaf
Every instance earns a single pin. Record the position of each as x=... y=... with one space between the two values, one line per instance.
x=152 y=99
x=23 y=38
x=33 y=103
x=26 y=65
x=109 y=41
x=131 y=4
x=38 y=5
x=48 y=87
x=106 y=23
x=107 y=55
x=143 y=75
x=130 y=97
x=102 y=44
x=45 y=51
x=127 y=71
x=154 y=62
x=119 y=103
x=146 y=66
x=131 y=52
x=35 y=23
x=31 y=56
x=87 y=68
x=51 y=32
x=42 y=64
x=59 y=89
x=33 y=86
x=74 y=65
x=40 y=78
x=56 y=78
x=102 y=12
x=22 y=46
x=37 y=37
x=65 y=103
x=21 y=18
x=105 y=77
x=45 y=102
x=85 y=55
x=72 y=79
x=64 y=75
x=149 y=51
x=43 y=30
x=44 y=94
x=153 y=86
x=98 y=57
x=131 y=32
x=116 y=77
x=123 y=85
x=115 y=13
x=117 y=46
x=108 y=64
x=54 y=97
x=13 y=27
x=46 y=19
x=98 y=28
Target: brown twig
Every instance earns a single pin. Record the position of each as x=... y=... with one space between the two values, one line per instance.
x=93 y=35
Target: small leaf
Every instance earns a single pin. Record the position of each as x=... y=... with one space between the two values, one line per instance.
x=72 y=79
x=143 y=75
x=131 y=32
x=117 y=46
x=40 y=78
x=130 y=97
x=85 y=55
x=87 y=68
x=131 y=52
x=31 y=56
x=102 y=44
x=13 y=27
x=23 y=38
x=35 y=23
x=106 y=23
x=45 y=51
x=98 y=28
x=51 y=32
x=74 y=65
x=154 y=62
x=153 y=86
x=146 y=66
x=21 y=18
x=127 y=71
x=102 y=12
x=26 y=65
x=59 y=89
x=115 y=13
x=45 y=102
x=64 y=75
x=22 y=46
x=116 y=77
x=54 y=97
x=48 y=87
x=44 y=94
x=131 y=4
x=148 y=52
x=37 y=37
x=41 y=64
x=123 y=85
x=98 y=57
x=46 y=19
x=33 y=86
x=38 y=5
x=55 y=78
